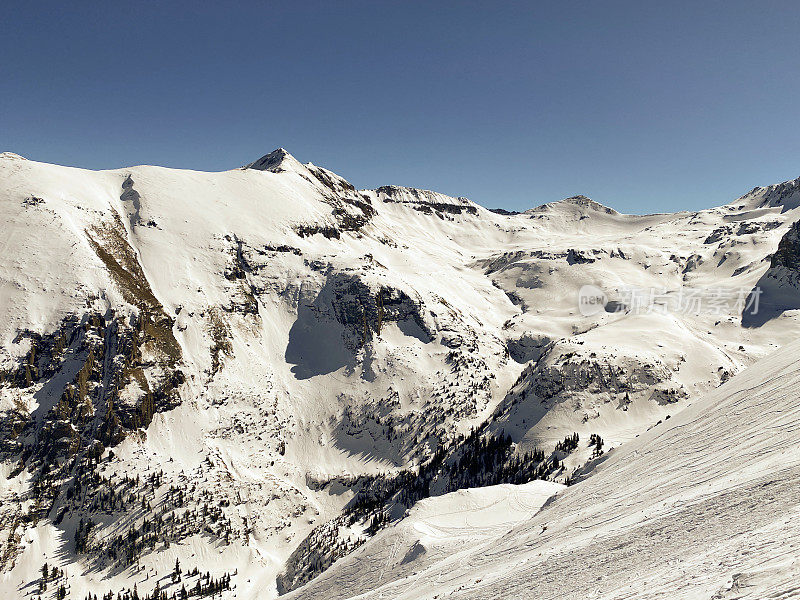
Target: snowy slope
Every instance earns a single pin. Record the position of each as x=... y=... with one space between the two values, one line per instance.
x=704 y=505
x=436 y=531
x=257 y=344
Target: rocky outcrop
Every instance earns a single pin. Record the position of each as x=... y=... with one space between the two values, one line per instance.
x=788 y=254
x=275 y=162
x=580 y=257
x=425 y=201
x=785 y=195
x=528 y=348
x=95 y=382
x=345 y=315
x=778 y=290
x=94 y=370
x=719 y=234
x=582 y=204
x=351 y=210
x=587 y=380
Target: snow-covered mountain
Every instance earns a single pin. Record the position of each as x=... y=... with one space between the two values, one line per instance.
x=253 y=372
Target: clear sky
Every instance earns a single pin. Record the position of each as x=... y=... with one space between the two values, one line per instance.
x=644 y=106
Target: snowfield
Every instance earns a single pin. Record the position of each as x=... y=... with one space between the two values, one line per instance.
x=265 y=371
x=435 y=533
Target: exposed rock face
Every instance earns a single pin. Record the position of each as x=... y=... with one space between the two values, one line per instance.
x=580 y=202
x=426 y=201
x=94 y=387
x=778 y=290
x=785 y=195
x=363 y=312
x=346 y=314
x=528 y=348
x=724 y=233
x=275 y=161
x=578 y=257
x=562 y=374
x=351 y=210
x=788 y=253
x=719 y=234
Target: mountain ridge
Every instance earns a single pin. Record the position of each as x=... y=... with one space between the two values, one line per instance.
x=282 y=351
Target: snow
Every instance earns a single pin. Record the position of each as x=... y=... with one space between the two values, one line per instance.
x=293 y=403
x=436 y=531
x=704 y=505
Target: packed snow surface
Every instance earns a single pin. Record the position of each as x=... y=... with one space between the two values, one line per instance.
x=436 y=531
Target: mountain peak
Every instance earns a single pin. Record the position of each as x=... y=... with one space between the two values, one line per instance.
x=586 y=202
x=580 y=201
x=11 y=155
x=276 y=161
x=785 y=195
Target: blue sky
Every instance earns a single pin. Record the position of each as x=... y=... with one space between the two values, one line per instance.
x=644 y=106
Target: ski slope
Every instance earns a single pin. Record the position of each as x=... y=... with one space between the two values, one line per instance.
x=704 y=505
